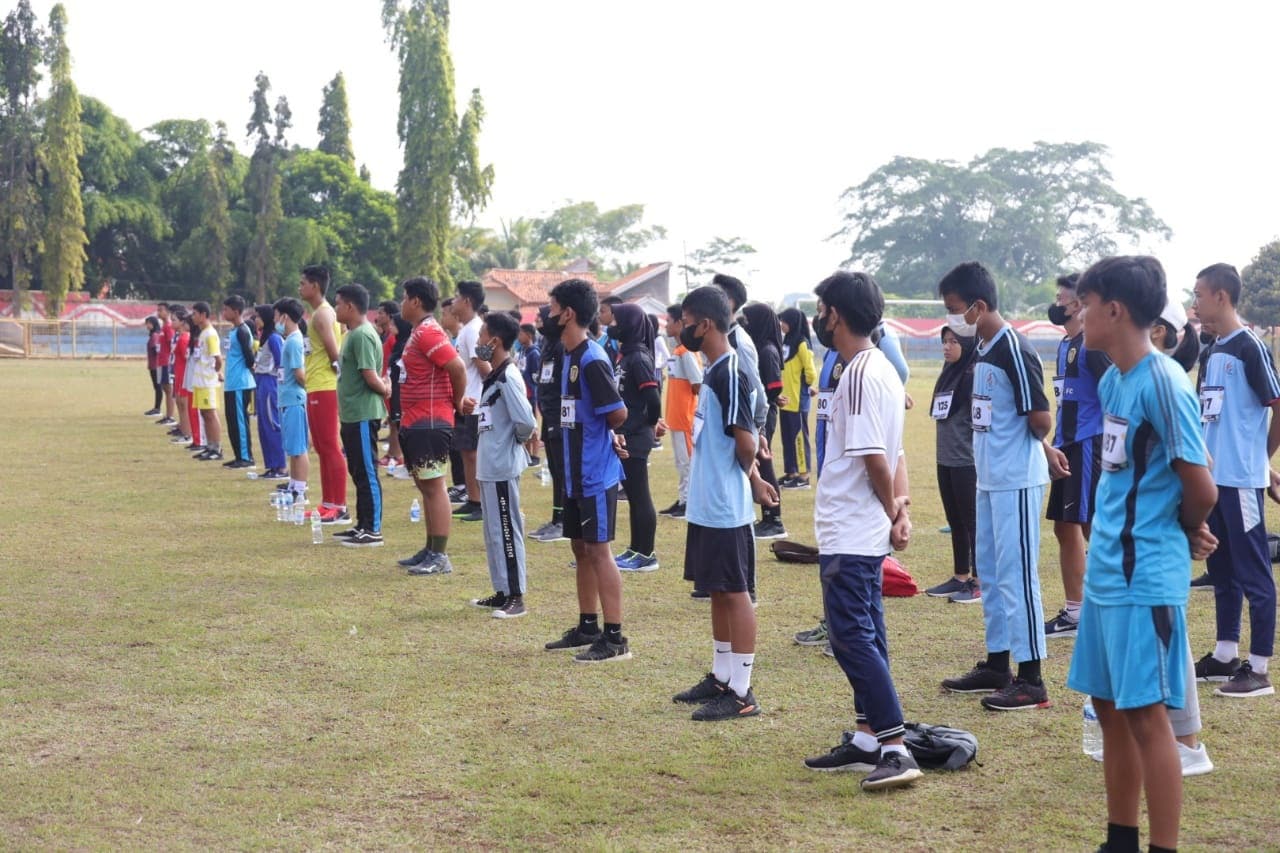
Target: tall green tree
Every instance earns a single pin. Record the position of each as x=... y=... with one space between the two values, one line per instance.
x=720 y=255
x=335 y=122
x=62 y=262
x=442 y=176
x=1027 y=214
x=1260 y=294
x=262 y=187
x=21 y=53
x=205 y=254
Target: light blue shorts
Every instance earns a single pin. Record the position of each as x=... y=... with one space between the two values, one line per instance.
x=293 y=430
x=1133 y=655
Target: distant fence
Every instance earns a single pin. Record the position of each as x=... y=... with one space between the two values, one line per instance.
x=84 y=338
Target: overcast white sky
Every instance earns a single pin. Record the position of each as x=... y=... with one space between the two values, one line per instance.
x=749 y=118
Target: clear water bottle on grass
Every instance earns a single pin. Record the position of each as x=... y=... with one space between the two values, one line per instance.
x=544 y=473
x=1091 y=741
x=286 y=507
x=317 y=532
x=300 y=513
x=415 y=512
x=277 y=501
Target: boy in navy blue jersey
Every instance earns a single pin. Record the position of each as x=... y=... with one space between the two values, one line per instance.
x=1238 y=385
x=1153 y=497
x=590 y=409
x=1010 y=415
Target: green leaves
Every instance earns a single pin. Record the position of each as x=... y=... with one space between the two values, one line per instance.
x=1260 y=295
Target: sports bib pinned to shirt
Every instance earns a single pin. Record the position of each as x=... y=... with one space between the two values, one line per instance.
x=1211 y=397
x=698 y=421
x=981 y=413
x=824 y=405
x=1059 y=385
x=942 y=406
x=545 y=378
x=1114 y=432
x=486 y=418
x=568 y=413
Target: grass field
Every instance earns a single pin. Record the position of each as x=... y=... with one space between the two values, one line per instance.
x=179 y=671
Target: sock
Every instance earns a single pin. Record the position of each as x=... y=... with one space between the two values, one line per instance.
x=437 y=544
x=299 y=486
x=557 y=515
x=587 y=623
x=216 y=446
x=1073 y=610
x=1122 y=839
x=1029 y=671
x=893 y=747
x=613 y=632
x=1226 y=651
x=998 y=661
x=1259 y=664
x=722 y=660
x=865 y=741
x=740 y=672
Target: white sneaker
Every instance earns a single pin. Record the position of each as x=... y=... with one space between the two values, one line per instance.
x=1195 y=762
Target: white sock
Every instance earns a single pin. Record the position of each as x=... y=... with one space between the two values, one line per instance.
x=299 y=486
x=1073 y=610
x=721 y=665
x=740 y=672
x=893 y=747
x=1226 y=651
x=1259 y=664
x=865 y=741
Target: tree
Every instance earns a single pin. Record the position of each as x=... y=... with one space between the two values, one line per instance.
x=606 y=238
x=1028 y=215
x=262 y=187
x=335 y=122
x=205 y=254
x=441 y=176
x=62 y=263
x=1260 y=295
x=21 y=52
x=720 y=255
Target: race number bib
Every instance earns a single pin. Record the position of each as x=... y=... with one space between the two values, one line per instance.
x=1059 y=385
x=1211 y=403
x=486 y=418
x=671 y=367
x=1114 y=430
x=401 y=373
x=824 y=405
x=698 y=421
x=942 y=406
x=981 y=413
x=306 y=346
x=544 y=378
x=568 y=413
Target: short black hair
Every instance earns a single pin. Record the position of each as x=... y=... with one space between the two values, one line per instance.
x=675 y=312
x=473 y=292
x=529 y=329
x=202 y=307
x=733 y=288
x=424 y=290
x=444 y=303
x=503 y=327
x=356 y=295
x=235 y=302
x=1135 y=281
x=515 y=315
x=970 y=281
x=317 y=275
x=709 y=302
x=1069 y=281
x=389 y=307
x=1223 y=277
x=581 y=297
x=653 y=323
x=611 y=300
x=289 y=307
x=856 y=299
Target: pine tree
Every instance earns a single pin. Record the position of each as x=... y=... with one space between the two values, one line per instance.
x=335 y=122
x=21 y=53
x=262 y=186
x=62 y=264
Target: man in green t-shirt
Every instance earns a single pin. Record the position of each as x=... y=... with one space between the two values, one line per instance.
x=361 y=395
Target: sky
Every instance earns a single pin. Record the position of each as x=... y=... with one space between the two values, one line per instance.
x=748 y=119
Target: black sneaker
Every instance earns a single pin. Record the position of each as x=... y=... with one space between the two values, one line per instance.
x=150 y=413
x=242 y=463
x=699 y=595
x=602 y=651
x=814 y=636
x=210 y=456
x=166 y=422
x=349 y=533
x=275 y=474
x=364 y=539
x=845 y=756
x=574 y=638
x=433 y=563
x=1061 y=625
x=1209 y=668
x=678 y=512
x=415 y=559
x=945 y=589
x=669 y=509
x=514 y=608
x=197 y=449
x=795 y=483
x=770 y=528
x=474 y=515
x=1020 y=695
x=493 y=602
x=230 y=462
x=728 y=706
x=704 y=691
x=466 y=508
x=1245 y=684
x=981 y=679
x=1203 y=583
x=895 y=770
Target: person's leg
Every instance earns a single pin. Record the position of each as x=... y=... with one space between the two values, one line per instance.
x=373 y=485
x=457 y=471
x=1161 y=771
x=393 y=440
x=184 y=416
x=273 y=437
x=643 y=516
x=960 y=554
x=352 y=437
x=1224 y=522
x=469 y=465
x=598 y=532
x=166 y=378
x=585 y=575
x=322 y=418
x=196 y=421
x=1256 y=581
x=1071 y=556
x=766 y=469
x=996 y=594
x=244 y=399
x=790 y=431
x=1121 y=765
x=492 y=535
x=553 y=447
x=806 y=461
x=682 y=452
x=1018 y=548
x=435 y=509
x=1185 y=721
x=231 y=407
x=212 y=426
x=157 y=391
x=964 y=485
x=513 y=536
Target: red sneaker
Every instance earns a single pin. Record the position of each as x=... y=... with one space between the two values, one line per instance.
x=334 y=515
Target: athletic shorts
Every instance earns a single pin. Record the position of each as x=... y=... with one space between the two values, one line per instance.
x=293 y=430
x=466 y=435
x=393 y=407
x=1134 y=655
x=1071 y=498
x=592 y=518
x=719 y=559
x=204 y=399
x=426 y=450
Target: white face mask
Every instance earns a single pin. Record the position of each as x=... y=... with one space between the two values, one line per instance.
x=956 y=323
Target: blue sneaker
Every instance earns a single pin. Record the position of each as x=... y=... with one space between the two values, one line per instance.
x=625 y=560
x=641 y=563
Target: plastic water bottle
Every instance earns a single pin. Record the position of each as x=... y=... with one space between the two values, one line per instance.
x=415 y=512
x=277 y=501
x=544 y=473
x=317 y=532
x=286 y=507
x=300 y=511
x=1091 y=742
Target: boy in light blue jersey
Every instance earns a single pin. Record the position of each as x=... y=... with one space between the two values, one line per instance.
x=1153 y=498
x=292 y=394
x=238 y=387
x=1010 y=415
x=1238 y=385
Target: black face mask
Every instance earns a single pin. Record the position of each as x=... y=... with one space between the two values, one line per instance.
x=1207 y=338
x=551 y=327
x=1058 y=315
x=691 y=342
x=612 y=332
x=825 y=336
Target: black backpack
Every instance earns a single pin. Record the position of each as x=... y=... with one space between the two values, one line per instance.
x=940 y=747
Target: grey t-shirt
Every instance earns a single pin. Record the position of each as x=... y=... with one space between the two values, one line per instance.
x=955 y=439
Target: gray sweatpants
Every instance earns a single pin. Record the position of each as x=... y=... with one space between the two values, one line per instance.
x=503 y=535
x=1186 y=720
x=680 y=442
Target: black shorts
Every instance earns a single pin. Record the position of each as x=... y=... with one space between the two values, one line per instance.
x=466 y=435
x=719 y=559
x=424 y=449
x=1071 y=498
x=393 y=408
x=592 y=518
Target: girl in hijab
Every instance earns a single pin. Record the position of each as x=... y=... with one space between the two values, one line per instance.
x=154 y=370
x=799 y=378
x=957 y=477
x=266 y=370
x=762 y=325
x=638 y=386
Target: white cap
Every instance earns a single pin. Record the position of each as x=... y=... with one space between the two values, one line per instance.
x=1174 y=314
